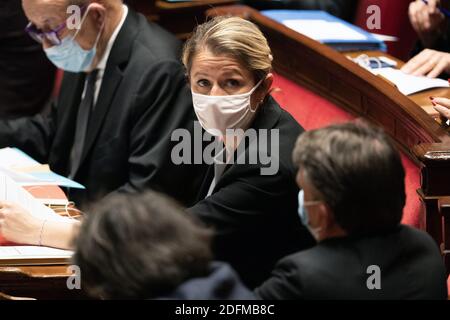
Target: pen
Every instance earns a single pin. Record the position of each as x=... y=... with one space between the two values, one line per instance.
x=444 y=11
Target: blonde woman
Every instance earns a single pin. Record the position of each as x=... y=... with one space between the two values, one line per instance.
x=254 y=212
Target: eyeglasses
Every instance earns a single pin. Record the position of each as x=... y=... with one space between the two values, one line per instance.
x=51 y=36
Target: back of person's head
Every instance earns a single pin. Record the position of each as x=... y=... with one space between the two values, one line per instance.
x=140 y=246
x=357 y=173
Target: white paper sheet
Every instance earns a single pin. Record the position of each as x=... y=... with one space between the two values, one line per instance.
x=13 y=192
x=30 y=252
x=31 y=255
x=408 y=84
x=10 y=157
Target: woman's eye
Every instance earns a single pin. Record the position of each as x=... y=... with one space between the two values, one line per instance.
x=203 y=83
x=233 y=83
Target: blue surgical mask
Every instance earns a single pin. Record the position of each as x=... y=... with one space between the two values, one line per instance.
x=304 y=214
x=69 y=56
x=301 y=208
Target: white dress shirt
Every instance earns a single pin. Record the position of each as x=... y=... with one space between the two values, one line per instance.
x=103 y=61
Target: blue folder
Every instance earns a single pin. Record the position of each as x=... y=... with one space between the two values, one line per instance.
x=50 y=176
x=369 y=43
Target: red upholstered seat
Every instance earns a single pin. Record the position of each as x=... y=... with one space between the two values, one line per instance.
x=394 y=22
x=58 y=80
x=313 y=111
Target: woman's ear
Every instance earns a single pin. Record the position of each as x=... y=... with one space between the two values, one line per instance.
x=267 y=83
x=264 y=89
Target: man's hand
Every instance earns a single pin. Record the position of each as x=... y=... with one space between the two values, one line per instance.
x=18 y=225
x=427 y=21
x=442 y=105
x=430 y=63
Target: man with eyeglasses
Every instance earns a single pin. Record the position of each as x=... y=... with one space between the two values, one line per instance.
x=122 y=95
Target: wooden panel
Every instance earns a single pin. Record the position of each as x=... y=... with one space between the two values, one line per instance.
x=38 y=282
x=432 y=221
x=435 y=168
x=350 y=96
x=444 y=204
x=407 y=135
x=181 y=18
x=382 y=116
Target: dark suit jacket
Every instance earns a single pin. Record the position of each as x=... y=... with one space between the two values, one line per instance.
x=255 y=216
x=410 y=264
x=26 y=75
x=221 y=283
x=142 y=99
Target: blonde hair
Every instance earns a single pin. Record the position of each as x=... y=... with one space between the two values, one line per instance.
x=231 y=36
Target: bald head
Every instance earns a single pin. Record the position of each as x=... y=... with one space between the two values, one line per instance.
x=90 y=28
x=48 y=14
x=45 y=14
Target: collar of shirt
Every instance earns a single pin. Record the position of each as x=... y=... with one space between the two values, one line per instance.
x=103 y=61
x=220 y=161
x=102 y=64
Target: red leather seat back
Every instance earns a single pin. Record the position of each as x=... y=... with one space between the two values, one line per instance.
x=394 y=22
x=58 y=80
x=313 y=111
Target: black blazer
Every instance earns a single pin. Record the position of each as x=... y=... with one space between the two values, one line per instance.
x=410 y=264
x=142 y=99
x=220 y=283
x=255 y=216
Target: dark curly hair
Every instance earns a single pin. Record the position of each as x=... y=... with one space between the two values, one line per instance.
x=139 y=246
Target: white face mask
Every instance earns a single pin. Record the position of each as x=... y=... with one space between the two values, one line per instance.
x=216 y=114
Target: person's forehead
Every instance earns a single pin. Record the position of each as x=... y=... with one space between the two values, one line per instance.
x=207 y=61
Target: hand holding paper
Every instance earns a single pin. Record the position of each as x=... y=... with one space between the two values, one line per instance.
x=408 y=84
x=25 y=220
x=429 y=63
x=22 y=216
x=18 y=225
